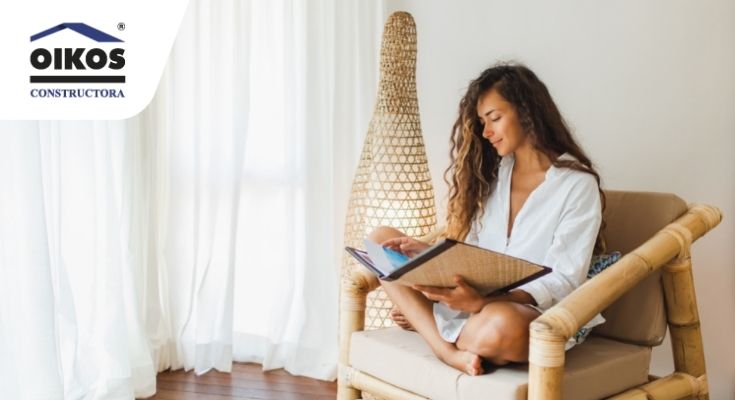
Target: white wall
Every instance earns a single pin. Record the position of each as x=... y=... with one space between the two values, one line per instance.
x=649 y=89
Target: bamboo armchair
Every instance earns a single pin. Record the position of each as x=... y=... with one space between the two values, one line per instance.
x=658 y=258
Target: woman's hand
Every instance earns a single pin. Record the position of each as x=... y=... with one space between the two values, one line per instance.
x=463 y=297
x=406 y=245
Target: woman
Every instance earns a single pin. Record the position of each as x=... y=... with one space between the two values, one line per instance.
x=520 y=185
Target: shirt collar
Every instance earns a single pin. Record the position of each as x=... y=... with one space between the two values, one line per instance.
x=553 y=172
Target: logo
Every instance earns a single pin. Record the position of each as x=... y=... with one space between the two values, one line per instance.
x=98 y=64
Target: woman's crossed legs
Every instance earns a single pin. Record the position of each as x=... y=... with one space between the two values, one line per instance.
x=498 y=333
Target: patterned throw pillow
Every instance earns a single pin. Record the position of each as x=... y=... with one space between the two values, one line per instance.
x=601 y=262
x=597 y=265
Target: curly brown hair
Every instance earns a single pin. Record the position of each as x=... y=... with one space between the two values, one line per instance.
x=474 y=161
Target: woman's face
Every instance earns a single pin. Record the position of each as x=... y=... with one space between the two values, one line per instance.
x=500 y=123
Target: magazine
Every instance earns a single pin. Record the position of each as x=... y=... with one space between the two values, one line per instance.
x=486 y=270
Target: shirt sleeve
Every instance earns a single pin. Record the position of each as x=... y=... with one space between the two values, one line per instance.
x=572 y=244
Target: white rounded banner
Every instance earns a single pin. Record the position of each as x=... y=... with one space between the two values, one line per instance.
x=83 y=59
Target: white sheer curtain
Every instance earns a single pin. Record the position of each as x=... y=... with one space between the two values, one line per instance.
x=70 y=325
x=205 y=230
x=293 y=195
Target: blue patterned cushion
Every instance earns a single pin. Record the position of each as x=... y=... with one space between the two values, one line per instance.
x=599 y=263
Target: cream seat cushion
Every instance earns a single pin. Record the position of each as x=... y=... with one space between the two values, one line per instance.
x=595 y=369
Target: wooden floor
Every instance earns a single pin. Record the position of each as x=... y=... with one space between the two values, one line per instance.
x=247 y=381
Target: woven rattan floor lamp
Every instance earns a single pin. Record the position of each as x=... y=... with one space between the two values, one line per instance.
x=392 y=185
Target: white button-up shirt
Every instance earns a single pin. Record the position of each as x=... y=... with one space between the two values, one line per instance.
x=556 y=227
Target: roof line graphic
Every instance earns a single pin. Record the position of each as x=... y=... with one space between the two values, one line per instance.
x=78 y=27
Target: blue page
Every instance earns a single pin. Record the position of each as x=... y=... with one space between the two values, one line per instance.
x=384 y=259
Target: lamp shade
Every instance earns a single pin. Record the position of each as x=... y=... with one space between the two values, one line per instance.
x=392 y=185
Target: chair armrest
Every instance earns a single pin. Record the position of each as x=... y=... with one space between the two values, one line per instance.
x=355 y=287
x=550 y=331
x=360 y=281
x=580 y=306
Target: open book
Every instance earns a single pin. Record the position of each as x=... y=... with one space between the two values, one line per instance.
x=486 y=270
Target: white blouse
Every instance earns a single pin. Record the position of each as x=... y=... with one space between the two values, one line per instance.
x=556 y=227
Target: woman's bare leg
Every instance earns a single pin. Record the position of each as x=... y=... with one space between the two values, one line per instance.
x=499 y=333
x=418 y=310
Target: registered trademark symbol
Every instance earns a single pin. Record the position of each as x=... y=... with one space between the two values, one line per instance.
x=121 y=26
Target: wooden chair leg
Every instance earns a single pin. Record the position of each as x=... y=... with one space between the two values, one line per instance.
x=345 y=390
x=353 y=296
x=683 y=318
x=546 y=363
x=352 y=319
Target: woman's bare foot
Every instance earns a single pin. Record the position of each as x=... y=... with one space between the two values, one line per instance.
x=467 y=362
x=397 y=316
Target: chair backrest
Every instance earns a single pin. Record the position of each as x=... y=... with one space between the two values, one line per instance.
x=639 y=316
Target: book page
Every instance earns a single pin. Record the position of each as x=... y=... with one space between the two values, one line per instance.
x=384 y=259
